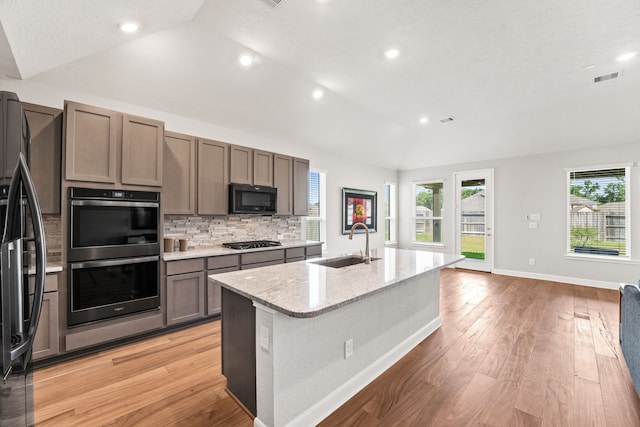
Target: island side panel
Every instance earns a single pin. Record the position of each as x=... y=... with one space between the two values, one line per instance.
x=303 y=377
x=239 y=348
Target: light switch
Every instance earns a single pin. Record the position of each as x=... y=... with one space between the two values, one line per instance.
x=533 y=224
x=534 y=217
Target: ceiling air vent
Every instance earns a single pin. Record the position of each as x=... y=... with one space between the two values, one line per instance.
x=606 y=77
x=447 y=120
x=272 y=3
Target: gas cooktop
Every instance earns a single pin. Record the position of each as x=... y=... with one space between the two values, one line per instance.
x=251 y=244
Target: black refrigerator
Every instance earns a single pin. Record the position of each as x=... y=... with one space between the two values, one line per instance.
x=22 y=268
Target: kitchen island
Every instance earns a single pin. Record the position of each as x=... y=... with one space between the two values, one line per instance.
x=300 y=339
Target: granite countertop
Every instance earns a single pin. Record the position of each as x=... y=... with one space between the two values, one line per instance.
x=219 y=250
x=304 y=289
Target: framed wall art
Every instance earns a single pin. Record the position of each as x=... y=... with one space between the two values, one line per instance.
x=359 y=206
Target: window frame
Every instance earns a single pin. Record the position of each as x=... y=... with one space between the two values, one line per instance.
x=414 y=218
x=322 y=198
x=393 y=214
x=627 y=208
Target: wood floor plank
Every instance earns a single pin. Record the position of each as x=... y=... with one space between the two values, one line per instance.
x=511 y=351
x=558 y=405
x=588 y=409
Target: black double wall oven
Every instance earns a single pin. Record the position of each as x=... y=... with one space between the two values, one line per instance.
x=113 y=254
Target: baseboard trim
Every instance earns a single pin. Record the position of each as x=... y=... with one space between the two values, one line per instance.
x=337 y=398
x=563 y=279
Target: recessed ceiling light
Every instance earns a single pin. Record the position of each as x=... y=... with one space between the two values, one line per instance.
x=318 y=93
x=246 y=60
x=424 y=120
x=626 y=56
x=129 y=26
x=392 y=53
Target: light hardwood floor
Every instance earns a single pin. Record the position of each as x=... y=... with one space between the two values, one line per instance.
x=511 y=351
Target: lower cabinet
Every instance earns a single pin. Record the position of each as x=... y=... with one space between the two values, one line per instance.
x=191 y=296
x=47 y=340
x=185 y=297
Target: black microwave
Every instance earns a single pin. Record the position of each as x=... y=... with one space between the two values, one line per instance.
x=252 y=199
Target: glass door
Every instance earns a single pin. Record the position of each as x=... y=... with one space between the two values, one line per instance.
x=474 y=219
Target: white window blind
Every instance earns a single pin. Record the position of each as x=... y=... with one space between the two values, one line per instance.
x=314 y=223
x=390 y=212
x=598 y=212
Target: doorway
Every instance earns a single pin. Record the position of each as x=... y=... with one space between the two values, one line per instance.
x=474 y=219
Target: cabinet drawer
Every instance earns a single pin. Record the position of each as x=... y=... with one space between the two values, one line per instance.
x=294 y=253
x=295 y=259
x=185 y=266
x=314 y=250
x=255 y=257
x=261 y=264
x=223 y=261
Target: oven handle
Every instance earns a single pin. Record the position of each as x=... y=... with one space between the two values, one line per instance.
x=112 y=262
x=114 y=203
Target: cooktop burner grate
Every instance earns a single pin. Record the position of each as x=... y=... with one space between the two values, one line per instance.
x=252 y=244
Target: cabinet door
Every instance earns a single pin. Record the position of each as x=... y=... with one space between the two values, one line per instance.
x=300 y=187
x=283 y=181
x=214 y=300
x=46 y=341
x=45 y=126
x=262 y=168
x=91 y=136
x=185 y=297
x=179 y=170
x=241 y=165
x=142 y=151
x=213 y=177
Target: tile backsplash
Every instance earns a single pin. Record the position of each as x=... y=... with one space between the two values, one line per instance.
x=53 y=230
x=204 y=231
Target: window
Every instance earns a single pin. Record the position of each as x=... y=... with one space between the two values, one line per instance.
x=598 y=210
x=390 y=213
x=314 y=226
x=428 y=211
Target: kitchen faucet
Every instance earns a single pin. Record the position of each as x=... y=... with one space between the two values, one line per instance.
x=367 y=255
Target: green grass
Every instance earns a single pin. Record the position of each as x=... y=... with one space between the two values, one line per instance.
x=619 y=246
x=472 y=246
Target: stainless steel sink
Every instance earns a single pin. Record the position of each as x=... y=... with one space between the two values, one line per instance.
x=341 y=262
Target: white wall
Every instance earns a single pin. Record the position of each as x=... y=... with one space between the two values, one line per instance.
x=535 y=184
x=341 y=172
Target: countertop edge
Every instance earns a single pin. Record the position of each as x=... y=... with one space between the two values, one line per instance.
x=315 y=313
x=214 y=251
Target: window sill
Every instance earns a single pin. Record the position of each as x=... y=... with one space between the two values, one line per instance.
x=390 y=244
x=602 y=258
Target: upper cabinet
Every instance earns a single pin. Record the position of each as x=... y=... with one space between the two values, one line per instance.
x=283 y=181
x=241 y=164
x=300 y=186
x=213 y=177
x=91 y=143
x=142 y=151
x=249 y=166
x=105 y=146
x=262 y=168
x=45 y=127
x=179 y=170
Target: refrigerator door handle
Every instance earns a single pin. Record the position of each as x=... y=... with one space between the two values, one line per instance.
x=22 y=175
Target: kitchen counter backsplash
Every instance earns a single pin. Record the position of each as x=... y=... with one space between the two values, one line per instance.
x=53 y=231
x=205 y=231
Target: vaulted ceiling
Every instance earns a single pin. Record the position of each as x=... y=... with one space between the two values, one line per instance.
x=516 y=76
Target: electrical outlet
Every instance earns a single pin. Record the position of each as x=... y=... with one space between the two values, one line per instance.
x=264 y=337
x=348 y=348
x=532 y=261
